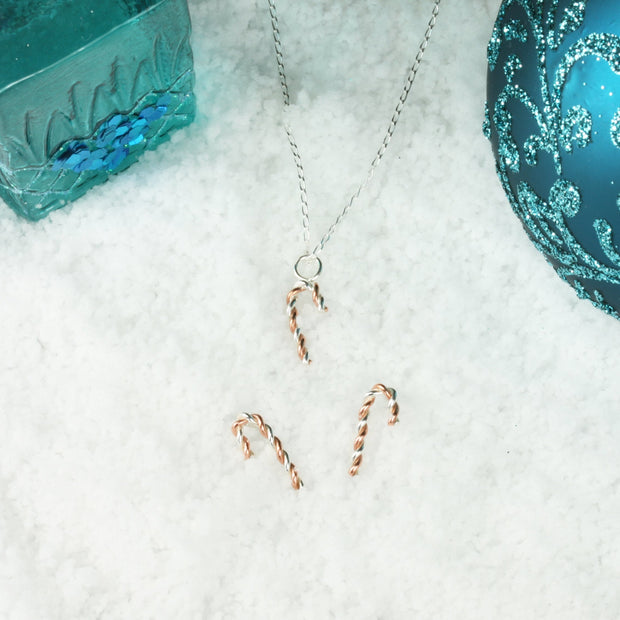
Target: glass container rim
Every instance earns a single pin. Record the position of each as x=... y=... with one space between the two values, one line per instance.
x=81 y=49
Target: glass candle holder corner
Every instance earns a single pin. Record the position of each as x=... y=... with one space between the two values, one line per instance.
x=86 y=86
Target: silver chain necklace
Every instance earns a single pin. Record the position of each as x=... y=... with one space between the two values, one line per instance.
x=309 y=266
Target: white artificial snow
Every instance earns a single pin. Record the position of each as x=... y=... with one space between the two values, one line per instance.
x=136 y=323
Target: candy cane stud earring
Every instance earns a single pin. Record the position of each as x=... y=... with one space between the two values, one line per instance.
x=265 y=429
x=362 y=427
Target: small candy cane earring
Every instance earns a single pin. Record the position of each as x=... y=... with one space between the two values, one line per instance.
x=362 y=427
x=265 y=429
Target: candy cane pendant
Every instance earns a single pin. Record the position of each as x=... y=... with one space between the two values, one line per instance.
x=306 y=283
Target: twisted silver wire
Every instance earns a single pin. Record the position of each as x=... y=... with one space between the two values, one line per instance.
x=305 y=215
x=382 y=148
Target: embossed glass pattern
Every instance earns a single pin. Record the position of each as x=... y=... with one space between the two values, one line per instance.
x=85 y=87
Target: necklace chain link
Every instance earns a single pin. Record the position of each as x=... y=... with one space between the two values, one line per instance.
x=380 y=152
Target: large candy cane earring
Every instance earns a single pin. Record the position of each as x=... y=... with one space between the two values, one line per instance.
x=362 y=427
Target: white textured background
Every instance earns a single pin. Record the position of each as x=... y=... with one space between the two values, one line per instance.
x=137 y=323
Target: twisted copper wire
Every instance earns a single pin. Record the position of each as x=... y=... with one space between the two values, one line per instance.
x=291 y=300
x=362 y=427
x=267 y=432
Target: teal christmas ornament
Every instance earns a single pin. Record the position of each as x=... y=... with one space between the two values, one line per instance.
x=553 y=118
x=86 y=86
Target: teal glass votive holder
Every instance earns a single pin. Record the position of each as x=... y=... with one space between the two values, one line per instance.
x=86 y=86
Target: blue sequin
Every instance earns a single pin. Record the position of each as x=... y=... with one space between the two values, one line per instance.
x=111 y=145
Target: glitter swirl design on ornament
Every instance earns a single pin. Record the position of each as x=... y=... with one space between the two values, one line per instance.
x=547 y=218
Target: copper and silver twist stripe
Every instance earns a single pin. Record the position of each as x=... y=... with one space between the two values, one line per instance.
x=291 y=309
x=267 y=432
x=362 y=427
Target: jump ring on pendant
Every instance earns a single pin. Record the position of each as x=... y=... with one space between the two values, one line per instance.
x=313 y=274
